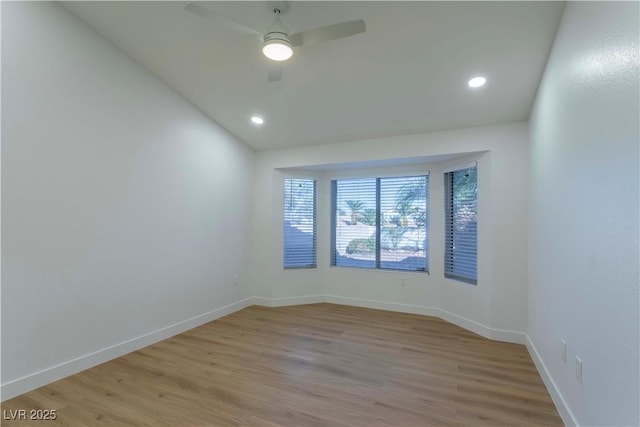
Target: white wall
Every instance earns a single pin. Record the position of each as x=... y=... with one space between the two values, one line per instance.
x=583 y=256
x=497 y=303
x=124 y=209
x=120 y=200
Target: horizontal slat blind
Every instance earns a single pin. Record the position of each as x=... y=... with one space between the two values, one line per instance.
x=381 y=223
x=461 y=233
x=356 y=218
x=403 y=231
x=299 y=223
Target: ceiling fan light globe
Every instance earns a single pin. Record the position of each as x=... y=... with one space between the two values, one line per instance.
x=277 y=49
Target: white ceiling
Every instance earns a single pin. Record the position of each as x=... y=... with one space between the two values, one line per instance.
x=406 y=74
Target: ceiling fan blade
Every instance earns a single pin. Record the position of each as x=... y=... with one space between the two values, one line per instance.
x=228 y=22
x=275 y=72
x=331 y=32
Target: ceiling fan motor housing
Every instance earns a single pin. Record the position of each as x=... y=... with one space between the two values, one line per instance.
x=276 y=36
x=276 y=45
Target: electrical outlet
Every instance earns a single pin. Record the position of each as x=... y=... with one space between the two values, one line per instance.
x=579 y=369
x=403 y=281
x=564 y=351
x=235 y=280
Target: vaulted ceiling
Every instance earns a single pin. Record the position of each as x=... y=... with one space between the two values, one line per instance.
x=406 y=74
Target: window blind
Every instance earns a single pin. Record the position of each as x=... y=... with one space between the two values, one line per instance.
x=381 y=223
x=299 y=223
x=461 y=231
x=356 y=216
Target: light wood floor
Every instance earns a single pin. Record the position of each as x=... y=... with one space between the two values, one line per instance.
x=310 y=365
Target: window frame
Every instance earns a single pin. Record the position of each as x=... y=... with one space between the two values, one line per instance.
x=378 y=177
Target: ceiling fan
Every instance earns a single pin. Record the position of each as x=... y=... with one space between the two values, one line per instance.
x=277 y=43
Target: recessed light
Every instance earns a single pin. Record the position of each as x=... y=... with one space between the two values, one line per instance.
x=257 y=120
x=477 y=81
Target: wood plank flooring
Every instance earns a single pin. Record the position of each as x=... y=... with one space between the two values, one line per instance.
x=309 y=365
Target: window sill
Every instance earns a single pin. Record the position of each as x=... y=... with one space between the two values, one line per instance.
x=381 y=270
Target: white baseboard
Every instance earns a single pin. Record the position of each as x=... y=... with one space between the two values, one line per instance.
x=46 y=376
x=463 y=322
x=281 y=302
x=509 y=336
x=382 y=305
x=561 y=405
x=468 y=324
